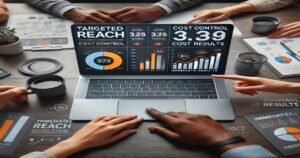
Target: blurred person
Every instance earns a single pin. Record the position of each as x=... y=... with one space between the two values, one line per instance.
x=131 y=14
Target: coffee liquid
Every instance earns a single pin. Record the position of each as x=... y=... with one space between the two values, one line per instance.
x=270 y=23
x=46 y=84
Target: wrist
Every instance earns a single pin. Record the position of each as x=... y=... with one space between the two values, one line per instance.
x=157 y=11
x=70 y=14
x=64 y=148
x=229 y=140
x=222 y=136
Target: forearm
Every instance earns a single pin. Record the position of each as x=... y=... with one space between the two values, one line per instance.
x=269 y=5
x=293 y=88
x=241 y=8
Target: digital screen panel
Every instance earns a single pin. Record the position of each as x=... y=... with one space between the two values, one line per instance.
x=152 y=48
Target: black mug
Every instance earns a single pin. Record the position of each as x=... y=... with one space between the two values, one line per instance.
x=46 y=85
x=249 y=64
x=263 y=25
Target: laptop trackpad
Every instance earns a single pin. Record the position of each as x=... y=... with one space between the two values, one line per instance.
x=138 y=107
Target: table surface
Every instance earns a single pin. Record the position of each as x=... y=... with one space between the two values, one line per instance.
x=143 y=144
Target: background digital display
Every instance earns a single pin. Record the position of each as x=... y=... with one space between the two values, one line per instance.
x=152 y=48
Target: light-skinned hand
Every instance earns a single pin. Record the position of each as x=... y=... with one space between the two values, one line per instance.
x=138 y=14
x=12 y=93
x=191 y=129
x=211 y=15
x=251 y=85
x=288 y=31
x=99 y=132
x=214 y=15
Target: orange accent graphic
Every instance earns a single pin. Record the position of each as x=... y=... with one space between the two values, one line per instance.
x=5 y=127
x=142 y=66
x=153 y=56
x=297 y=136
x=292 y=130
x=117 y=61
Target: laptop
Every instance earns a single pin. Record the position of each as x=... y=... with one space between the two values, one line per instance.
x=125 y=68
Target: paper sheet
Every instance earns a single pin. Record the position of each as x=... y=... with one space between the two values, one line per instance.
x=42 y=31
x=278 y=57
x=184 y=16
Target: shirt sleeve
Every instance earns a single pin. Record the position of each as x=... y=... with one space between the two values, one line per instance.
x=249 y=151
x=38 y=155
x=177 y=5
x=55 y=7
x=270 y=5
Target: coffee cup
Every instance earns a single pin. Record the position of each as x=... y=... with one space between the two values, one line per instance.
x=249 y=64
x=46 y=86
x=263 y=25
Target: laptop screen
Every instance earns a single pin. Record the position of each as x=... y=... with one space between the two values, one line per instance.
x=152 y=49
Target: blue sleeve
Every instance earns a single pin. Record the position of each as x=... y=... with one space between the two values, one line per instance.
x=249 y=151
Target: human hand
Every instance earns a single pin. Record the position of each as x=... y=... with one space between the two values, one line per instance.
x=211 y=15
x=251 y=85
x=223 y=13
x=99 y=132
x=191 y=129
x=3 y=15
x=89 y=16
x=289 y=31
x=11 y=93
x=138 y=14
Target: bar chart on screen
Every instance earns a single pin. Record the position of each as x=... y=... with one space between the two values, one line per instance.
x=199 y=61
x=151 y=60
x=12 y=127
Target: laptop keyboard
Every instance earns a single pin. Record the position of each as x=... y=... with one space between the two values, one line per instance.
x=157 y=88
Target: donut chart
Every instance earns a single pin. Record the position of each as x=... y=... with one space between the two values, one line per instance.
x=290 y=134
x=107 y=60
x=283 y=59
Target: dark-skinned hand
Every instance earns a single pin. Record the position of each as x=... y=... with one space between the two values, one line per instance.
x=191 y=129
x=89 y=16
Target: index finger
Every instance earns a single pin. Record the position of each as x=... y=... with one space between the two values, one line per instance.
x=168 y=119
x=201 y=17
x=233 y=77
x=5 y=88
x=13 y=92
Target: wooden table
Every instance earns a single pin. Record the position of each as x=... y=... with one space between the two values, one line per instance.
x=143 y=144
